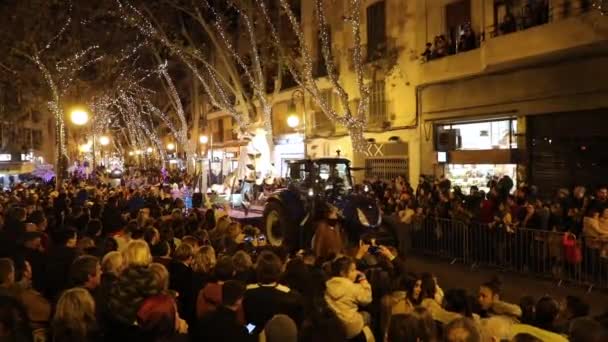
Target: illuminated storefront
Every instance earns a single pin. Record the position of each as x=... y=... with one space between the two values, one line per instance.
x=474 y=153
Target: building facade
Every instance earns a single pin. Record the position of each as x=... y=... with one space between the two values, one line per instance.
x=467 y=89
x=527 y=97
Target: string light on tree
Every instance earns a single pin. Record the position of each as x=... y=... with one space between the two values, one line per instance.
x=601 y=5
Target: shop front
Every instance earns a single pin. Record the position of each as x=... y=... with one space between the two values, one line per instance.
x=474 y=153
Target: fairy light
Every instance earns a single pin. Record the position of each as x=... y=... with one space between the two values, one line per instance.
x=601 y=6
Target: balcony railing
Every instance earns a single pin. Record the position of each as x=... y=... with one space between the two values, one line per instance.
x=522 y=17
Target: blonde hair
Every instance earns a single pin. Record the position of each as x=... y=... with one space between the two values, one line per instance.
x=160 y=274
x=75 y=312
x=112 y=262
x=204 y=260
x=137 y=253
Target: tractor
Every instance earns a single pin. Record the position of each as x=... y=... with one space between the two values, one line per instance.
x=312 y=185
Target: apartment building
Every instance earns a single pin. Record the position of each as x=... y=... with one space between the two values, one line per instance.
x=468 y=89
x=525 y=97
x=25 y=135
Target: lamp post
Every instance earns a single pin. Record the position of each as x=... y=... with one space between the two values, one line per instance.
x=80 y=117
x=104 y=141
x=293 y=119
x=203 y=139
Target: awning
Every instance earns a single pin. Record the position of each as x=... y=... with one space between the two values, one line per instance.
x=16 y=168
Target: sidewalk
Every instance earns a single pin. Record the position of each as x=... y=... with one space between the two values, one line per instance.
x=515 y=286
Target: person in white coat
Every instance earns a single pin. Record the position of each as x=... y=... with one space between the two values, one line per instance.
x=345 y=292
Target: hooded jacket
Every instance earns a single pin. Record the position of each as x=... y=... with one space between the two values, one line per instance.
x=344 y=297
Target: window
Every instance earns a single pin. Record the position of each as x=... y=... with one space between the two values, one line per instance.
x=386 y=168
x=322 y=122
x=321 y=67
x=377 y=104
x=376 y=31
x=486 y=135
x=457 y=14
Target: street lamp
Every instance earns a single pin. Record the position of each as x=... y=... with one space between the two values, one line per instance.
x=79 y=117
x=149 y=150
x=170 y=146
x=203 y=139
x=293 y=121
x=104 y=140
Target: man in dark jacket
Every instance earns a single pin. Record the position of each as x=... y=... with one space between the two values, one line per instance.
x=180 y=280
x=222 y=324
x=58 y=263
x=268 y=298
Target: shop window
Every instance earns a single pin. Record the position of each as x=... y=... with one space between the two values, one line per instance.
x=488 y=135
x=467 y=175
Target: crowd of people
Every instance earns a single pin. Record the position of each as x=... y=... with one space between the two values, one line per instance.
x=95 y=263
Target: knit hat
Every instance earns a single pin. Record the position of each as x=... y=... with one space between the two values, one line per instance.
x=281 y=328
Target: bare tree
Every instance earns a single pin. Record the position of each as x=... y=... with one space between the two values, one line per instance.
x=301 y=66
x=235 y=78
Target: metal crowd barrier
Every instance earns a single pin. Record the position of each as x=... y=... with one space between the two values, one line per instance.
x=553 y=255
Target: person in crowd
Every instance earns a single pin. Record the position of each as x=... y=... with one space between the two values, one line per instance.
x=328 y=239
x=267 y=297
x=162 y=253
x=37 y=308
x=86 y=272
x=223 y=324
x=462 y=329
x=136 y=283
x=74 y=319
x=243 y=267
x=584 y=329
x=281 y=328
x=210 y=297
x=415 y=326
x=137 y=253
x=202 y=267
x=347 y=290
x=161 y=274
x=59 y=261
x=7 y=276
x=181 y=280
x=490 y=303
x=13 y=320
x=432 y=301
x=547 y=310
x=159 y=321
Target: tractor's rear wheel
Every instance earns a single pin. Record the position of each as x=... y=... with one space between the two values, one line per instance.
x=275 y=223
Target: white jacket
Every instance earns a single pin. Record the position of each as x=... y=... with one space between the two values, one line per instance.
x=344 y=297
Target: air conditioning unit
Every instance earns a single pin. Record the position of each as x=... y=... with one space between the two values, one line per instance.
x=448 y=139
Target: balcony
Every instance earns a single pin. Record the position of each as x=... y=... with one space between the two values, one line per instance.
x=566 y=32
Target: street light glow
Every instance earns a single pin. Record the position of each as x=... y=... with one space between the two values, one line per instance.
x=293 y=121
x=203 y=139
x=131 y=153
x=149 y=150
x=103 y=140
x=170 y=146
x=79 y=117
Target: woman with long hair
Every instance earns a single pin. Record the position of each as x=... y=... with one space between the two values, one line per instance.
x=74 y=318
x=430 y=300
